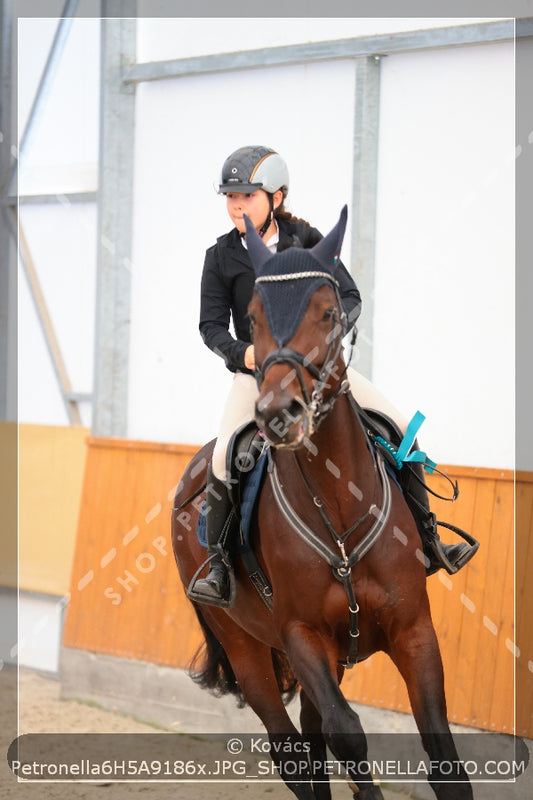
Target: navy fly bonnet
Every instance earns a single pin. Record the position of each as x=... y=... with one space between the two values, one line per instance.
x=287 y=280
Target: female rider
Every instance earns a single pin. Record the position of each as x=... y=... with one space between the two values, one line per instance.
x=255 y=182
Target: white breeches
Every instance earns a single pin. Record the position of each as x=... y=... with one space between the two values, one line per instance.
x=240 y=406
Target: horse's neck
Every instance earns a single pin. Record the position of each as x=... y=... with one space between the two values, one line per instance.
x=341 y=434
x=338 y=461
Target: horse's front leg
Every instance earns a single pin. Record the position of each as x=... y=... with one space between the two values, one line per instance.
x=314 y=661
x=416 y=654
x=311 y=724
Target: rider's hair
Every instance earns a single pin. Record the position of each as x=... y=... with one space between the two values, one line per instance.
x=282 y=213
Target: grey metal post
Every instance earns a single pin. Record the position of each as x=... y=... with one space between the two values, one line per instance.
x=524 y=246
x=8 y=263
x=117 y=111
x=364 y=200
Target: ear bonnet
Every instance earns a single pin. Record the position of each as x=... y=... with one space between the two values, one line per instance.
x=286 y=281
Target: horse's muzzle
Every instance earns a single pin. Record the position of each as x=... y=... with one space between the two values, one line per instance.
x=283 y=418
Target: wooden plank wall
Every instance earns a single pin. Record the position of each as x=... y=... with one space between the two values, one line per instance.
x=524 y=604
x=126 y=598
x=472 y=612
x=51 y=471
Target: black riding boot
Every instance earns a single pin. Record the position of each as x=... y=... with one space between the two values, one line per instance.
x=215 y=585
x=438 y=555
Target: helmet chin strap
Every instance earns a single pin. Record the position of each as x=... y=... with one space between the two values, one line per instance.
x=268 y=222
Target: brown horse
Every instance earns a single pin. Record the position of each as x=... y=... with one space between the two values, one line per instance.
x=333 y=535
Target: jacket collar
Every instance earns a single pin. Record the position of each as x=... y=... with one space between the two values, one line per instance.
x=232 y=241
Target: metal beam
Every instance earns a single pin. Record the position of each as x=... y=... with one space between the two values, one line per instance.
x=8 y=262
x=524 y=248
x=54 y=198
x=364 y=201
x=79 y=397
x=524 y=27
x=117 y=123
x=357 y=47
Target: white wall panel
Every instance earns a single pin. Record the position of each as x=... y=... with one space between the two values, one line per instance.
x=60 y=156
x=444 y=298
x=34 y=39
x=61 y=152
x=39 y=395
x=62 y=241
x=181 y=38
x=444 y=316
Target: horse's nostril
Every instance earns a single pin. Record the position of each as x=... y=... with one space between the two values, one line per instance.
x=288 y=410
x=295 y=411
x=264 y=402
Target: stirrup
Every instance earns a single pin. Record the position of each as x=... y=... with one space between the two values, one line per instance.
x=464 y=551
x=210 y=600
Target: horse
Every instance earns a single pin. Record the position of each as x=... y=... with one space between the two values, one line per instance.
x=334 y=536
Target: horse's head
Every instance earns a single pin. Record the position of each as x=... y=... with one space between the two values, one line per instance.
x=298 y=324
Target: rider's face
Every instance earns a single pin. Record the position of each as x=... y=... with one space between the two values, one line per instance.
x=255 y=205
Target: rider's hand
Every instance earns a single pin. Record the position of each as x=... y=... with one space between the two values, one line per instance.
x=249 y=357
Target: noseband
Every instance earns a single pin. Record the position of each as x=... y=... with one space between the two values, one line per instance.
x=316 y=405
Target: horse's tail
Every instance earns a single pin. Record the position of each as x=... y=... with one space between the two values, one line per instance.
x=287 y=683
x=211 y=669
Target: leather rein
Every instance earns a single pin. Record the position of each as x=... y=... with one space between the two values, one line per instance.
x=318 y=406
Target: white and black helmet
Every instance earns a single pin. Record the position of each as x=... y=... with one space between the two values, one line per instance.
x=251 y=168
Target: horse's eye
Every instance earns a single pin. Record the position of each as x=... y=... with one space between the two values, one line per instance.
x=328 y=313
x=251 y=319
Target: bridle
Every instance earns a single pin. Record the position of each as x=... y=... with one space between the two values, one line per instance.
x=317 y=405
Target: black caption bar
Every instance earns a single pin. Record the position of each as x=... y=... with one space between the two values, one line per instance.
x=248 y=757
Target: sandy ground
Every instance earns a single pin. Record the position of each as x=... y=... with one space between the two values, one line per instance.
x=42 y=711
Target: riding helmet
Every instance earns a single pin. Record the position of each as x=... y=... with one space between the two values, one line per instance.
x=251 y=168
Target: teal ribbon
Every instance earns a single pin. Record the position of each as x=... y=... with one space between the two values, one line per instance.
x=402 y=454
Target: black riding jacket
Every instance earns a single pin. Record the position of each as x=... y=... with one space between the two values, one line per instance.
x=228 y=282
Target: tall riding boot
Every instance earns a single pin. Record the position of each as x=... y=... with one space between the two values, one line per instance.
x=218 y=506
x=438 y=555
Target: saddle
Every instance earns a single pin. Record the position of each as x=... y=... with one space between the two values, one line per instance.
x=246 y=463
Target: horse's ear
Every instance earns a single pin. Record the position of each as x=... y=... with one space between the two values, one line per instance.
x=328 y=249
x=259 y=252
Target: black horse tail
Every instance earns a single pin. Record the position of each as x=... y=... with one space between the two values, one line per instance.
x=211 y=669
x=210 y=666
